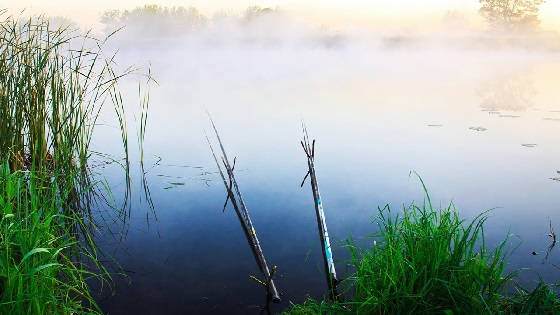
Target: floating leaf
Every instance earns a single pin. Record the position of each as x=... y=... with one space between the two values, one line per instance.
x=478 y=128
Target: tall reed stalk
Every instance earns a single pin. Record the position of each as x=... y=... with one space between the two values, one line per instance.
x=50 y=94
x=54 y=82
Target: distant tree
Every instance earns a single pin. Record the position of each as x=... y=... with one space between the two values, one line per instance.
x=256 y=11
x=154 y=19
x=512 y=14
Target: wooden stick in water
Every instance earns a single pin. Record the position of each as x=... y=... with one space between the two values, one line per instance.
x=330 y=270
x=243 y=214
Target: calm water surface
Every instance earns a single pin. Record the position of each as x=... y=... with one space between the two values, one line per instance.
x=480 y=126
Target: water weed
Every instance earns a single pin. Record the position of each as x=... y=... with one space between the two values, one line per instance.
x=430 y=261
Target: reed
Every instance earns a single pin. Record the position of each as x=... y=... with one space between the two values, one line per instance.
x=50 y=94
x=54 y=82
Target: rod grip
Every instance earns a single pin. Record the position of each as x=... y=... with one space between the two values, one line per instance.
x=276 y=298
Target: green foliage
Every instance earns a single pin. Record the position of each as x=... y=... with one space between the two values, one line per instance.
x=427 y=261
x=51 y=94
x=541 y=300
x=42 y=256
x=311 y=306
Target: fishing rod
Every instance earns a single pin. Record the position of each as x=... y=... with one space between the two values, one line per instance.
x=243 y=215
x=330 y=270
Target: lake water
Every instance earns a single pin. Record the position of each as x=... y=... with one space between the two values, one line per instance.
x=480 y=125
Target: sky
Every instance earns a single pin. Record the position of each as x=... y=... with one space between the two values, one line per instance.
x=399 y=13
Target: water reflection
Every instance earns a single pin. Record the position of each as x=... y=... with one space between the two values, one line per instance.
x=370 y=109
x=552 y=235
x=370 y=138
x=514 y=92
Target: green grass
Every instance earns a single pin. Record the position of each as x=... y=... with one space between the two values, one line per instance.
x=42 y=257
x=54 y=82
x=429 y=261
x=50 y=94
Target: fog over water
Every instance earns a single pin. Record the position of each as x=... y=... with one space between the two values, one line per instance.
x=475 y=111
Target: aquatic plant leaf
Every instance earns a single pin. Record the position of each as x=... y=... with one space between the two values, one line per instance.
x=37 y=269
x=34 y=251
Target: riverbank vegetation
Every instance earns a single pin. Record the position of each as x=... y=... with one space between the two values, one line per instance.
x=54 y=81
x=430 y=261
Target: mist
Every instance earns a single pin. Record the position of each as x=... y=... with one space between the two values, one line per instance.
x=267 y=60
x=469 y=101
x=272 y=42
x=273 y=27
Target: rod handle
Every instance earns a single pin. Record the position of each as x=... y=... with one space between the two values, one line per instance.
x=276 y=298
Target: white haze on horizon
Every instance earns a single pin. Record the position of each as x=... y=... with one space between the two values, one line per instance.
x=272 y=56
x=394 y=14
x=379 y=86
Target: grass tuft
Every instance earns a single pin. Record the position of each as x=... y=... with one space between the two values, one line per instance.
x=42 y=258
x=428 y=261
